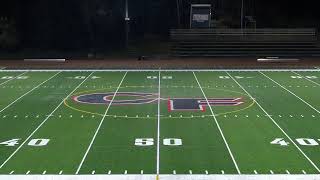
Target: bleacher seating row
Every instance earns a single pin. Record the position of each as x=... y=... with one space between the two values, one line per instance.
x=247 y=42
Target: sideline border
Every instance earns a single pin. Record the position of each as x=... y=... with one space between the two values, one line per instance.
x=158 y=70
x=163 y=177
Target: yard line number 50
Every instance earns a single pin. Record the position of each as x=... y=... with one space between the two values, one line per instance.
x=150 y=142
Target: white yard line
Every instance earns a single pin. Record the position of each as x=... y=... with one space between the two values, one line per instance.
x=216 y=121
x=306 y=78
x=43 y=122
x=291 y=92
x=274 y=122
x=101 y=122
x=12 y=78
x=28 y=92
x=158 y=126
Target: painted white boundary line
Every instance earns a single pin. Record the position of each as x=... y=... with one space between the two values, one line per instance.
x=156 y=70
x=163 y=177
x=29 y=92
x=306 y=78
x=216 y=121
x=12 y=78
x=290 y=92
x=158 y=127
x=44 y=121
x=101 y=122
x=274 y=122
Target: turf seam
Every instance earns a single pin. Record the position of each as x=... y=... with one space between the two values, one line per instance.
x=216 y=121
x=13 y=78
x=9 y=105
x=100 y=124
x=156 y=70
x=43 y=122
x=306 y=78
x=292 y=141
x=290 y=92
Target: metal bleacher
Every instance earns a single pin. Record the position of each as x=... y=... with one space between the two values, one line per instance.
x=247 y=42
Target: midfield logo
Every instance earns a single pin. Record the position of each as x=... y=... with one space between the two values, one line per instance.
x=199 y=104
x=174 y=104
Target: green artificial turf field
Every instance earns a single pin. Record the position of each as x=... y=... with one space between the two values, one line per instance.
x=160 y=122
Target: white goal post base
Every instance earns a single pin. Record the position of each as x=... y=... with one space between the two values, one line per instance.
x=44 y=60
x=277 y=59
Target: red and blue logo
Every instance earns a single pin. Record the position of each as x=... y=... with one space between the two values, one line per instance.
x=174 y=104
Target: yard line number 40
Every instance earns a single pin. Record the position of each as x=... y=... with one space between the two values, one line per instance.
x=13 y=77
x=301 y=141
x=32 y=142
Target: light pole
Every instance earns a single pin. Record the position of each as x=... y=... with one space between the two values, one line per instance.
x=178 y=13
x=127 y=19
x=241 y=21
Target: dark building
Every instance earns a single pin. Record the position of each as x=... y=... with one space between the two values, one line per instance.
x=76 y=24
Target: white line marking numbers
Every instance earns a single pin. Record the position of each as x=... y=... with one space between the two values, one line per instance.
x=301 y=77
x=84 y=77
x=10 y=143
x=279 y=141
x=13 y=77
x=166 y=77
x=156 y=77
x=236 y=77
x=152 y=77
x=144 y=142
x=150 y=142
x=32 y=142
x=301 y=141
